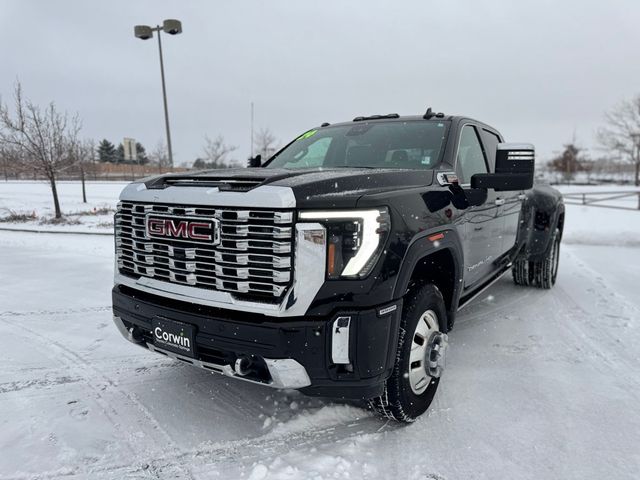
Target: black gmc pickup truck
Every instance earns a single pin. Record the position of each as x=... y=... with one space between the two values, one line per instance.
x=336 y=267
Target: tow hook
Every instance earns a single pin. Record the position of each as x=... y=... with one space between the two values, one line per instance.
x=243 y=365
x=135 y=335
x=436 y=353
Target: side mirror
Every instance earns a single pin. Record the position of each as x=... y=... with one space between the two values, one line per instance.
x=459 y=197
x=515 y=164
x=255 y=162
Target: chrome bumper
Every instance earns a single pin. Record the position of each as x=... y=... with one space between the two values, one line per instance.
x=285 y=373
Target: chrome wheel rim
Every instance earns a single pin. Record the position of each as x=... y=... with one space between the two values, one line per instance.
x=419 y=378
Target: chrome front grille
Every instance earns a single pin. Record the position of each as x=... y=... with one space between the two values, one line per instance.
x=252 y=256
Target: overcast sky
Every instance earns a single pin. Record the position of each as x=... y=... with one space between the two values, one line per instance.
x=536 y=70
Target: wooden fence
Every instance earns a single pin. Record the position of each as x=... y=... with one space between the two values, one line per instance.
x=602 y=199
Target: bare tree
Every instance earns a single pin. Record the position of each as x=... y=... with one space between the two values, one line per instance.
x=82 y=154
x=91 y=161
x=622 y=132
x=43 y=135
x=160 y=156
x=4 y=160
x=11 y=160
x=216 y=152
x=265 y=143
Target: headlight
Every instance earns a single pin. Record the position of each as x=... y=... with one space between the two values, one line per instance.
x=355 y=239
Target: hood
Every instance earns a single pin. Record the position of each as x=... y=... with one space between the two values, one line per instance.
x=313 y=188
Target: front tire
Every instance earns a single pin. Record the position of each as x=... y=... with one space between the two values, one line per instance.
x=419 y=359
x=522 y=271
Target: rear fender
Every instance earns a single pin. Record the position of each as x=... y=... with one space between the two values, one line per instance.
x=542 y=214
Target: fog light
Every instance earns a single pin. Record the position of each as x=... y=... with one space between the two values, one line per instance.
x=340 y=341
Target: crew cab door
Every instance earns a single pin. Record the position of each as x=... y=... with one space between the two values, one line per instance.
x=483 y=226
x=509 y=203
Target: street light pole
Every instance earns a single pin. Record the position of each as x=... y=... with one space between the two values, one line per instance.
x=251 y=129
x=145 y=32
x=164 y=98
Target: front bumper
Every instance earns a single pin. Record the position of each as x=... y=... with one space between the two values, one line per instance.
x=296 y=352
x=283 y=373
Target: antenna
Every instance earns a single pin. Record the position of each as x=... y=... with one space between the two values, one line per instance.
x=429 y=114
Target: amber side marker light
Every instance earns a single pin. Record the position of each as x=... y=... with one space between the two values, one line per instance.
x=435 y=237
x=331 y=261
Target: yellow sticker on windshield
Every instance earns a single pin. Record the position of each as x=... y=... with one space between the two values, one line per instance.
x=308 y=134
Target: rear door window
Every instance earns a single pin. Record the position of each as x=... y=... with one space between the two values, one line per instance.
x=470 y=159
x=490 y=141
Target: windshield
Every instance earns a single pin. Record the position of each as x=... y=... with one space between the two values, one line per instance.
x=414 y=144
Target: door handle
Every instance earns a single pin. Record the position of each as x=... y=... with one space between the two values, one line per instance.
x=522 y=196
x=500 y=201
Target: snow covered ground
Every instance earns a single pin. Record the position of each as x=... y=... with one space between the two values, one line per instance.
x=34 y=199
x=539 y=384
x=597 y=225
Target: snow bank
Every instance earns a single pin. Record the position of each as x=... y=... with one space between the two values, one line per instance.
x=323 y=417
x=353 y=460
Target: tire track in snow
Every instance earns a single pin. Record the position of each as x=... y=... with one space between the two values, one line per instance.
x=579 y=318
x=228 y=453
x=483 y=312
x=51 y=377
x=228 y=394
x=75 y=362
x=19 y=385
x=143 y=366
x=108 y=411
x=565 y=305
x=176 y=461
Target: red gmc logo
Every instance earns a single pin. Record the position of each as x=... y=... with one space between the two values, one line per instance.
x=204 y=231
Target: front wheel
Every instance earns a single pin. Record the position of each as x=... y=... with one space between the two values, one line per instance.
x=419 y=359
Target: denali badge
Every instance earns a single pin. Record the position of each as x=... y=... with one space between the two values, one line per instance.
x=196 y=229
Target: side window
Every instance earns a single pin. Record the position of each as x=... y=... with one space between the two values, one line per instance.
x=490 y=141
x=470 y=158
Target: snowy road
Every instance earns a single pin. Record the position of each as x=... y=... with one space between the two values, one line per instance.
x=539 y=384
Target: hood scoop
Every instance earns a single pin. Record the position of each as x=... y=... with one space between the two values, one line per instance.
x=230 y=184
x=231 y=180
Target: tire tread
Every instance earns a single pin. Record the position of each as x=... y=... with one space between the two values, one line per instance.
x=389 y=404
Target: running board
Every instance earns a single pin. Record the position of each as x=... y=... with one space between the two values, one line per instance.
x=482 y=290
